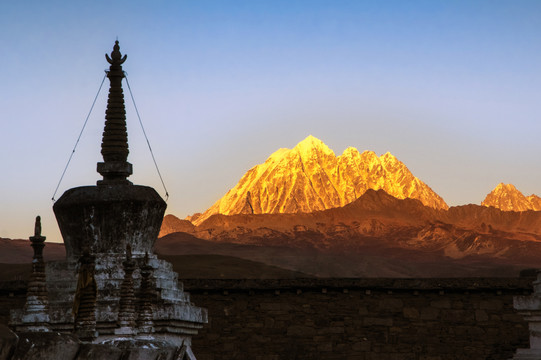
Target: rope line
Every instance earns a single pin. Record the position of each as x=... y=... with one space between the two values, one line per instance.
x=146 y=138
x=79 y=138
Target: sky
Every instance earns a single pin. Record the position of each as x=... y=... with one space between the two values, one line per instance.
x=451 y=88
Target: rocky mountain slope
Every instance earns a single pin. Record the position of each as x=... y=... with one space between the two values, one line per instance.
x=376 y=235
x=310 y=177
x=401 y=237
x=506 y=197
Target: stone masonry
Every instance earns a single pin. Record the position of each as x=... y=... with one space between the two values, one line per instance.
x=366 y=319
x=360 y=319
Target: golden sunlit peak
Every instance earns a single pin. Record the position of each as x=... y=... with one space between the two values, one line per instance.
x=311 y=177
x=350 y=151
x=501 y=186
x=369 y=153
x=507 y=197
x=388 y=156
x=311 y=143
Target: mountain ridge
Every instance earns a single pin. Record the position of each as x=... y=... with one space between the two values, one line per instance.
x=376 y=204
x=381 y=229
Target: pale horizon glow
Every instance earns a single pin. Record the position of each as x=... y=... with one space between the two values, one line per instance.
x=451 y=88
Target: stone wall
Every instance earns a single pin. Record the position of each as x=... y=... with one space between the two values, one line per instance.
x=365 y=319
x=12 y=296
x=360 y=319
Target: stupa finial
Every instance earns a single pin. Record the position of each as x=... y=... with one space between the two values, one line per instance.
x=37 y=227
x=115 y=167
x=116 y=57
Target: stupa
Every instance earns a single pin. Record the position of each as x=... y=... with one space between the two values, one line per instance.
x=529 y=306
x=112 y=289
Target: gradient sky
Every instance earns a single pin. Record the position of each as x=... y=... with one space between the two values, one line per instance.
x=451 y=88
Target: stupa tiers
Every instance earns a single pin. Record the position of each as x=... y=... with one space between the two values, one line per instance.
x=120 y=292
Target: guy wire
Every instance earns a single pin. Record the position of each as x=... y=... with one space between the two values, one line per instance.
x=79 y=138
x=146 y=138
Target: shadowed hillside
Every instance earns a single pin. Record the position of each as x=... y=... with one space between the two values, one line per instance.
x=190 y=267
x=226 y=267
x=377 y=235
x=20 y=251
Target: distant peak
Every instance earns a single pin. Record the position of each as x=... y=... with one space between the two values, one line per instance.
x=389 y=156
x=350 y=151
x=312 y=143
x=505 y=187
x=507 y=197
x=369 y=153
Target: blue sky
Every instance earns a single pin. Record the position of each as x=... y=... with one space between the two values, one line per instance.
x=451 y=88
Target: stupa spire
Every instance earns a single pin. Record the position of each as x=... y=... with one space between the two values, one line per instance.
x=36 y=309
x=115 y=167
